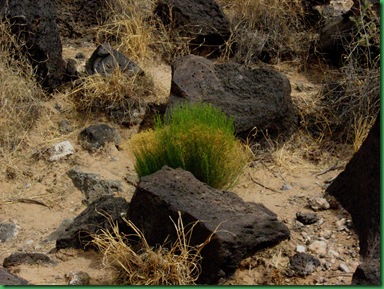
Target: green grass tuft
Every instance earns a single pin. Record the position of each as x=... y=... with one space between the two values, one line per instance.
x=196 y=137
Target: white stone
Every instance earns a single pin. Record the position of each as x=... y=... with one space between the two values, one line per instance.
x=61 y=150
x=301 y=249
x=343 y=267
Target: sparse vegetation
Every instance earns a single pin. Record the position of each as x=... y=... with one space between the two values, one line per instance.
x=20 y=96
x=270 y=31
x=97 y=93
x=196 y=137
x=133 y=29
x=169 y=264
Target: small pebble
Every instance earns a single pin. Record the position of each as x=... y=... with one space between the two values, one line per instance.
x=301 y=249
x=343 y=267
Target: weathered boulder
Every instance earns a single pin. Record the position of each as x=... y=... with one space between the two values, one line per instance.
x=34 y=23
x=243 y=228
x=201 y=20
x=97 y=135
x=92 y=185
x=339 y=32
x=255 y=98
x=7 y=278
x=357 y=189
x=101 y=214
x=19 y=258
x=104 y=60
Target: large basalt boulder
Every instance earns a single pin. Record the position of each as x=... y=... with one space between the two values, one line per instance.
x=243 y=227
x=201 y=20
x=357 y=189
x=101 y=214
x=255 y=98
x=34 y=23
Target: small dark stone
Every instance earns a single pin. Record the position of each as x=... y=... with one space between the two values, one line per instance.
x=105 y=60
x=80 y=55
x=303 y=264
x=306 y=218
x=96 y=136
x=19 y=258
x=65 y=126
x=101 y=214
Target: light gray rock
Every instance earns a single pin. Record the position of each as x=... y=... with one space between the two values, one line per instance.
x=61 y=150
x=318 y=247
x=92 y=185
x=7 y=231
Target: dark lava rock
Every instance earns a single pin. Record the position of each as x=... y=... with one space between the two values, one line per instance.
x=100 y=214
x=34 y=23
x=7 y=231
x=306 y=218
x=96 y=136
x=255 y=98
x=19 y=258
x=7 y=278
x=303 y=264
x=243 y=228
x=357 y=189
x=104 y=60
x=92 y=186
x=367 y=273
x=201 y=20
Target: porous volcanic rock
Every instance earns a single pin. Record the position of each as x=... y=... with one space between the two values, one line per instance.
x=104 y=60
x=357 y=189
x=97 y=135
x=242 y=227
x=92 y=185
x=34 y=23
x=201 y=20
x=19 y=258
x=7 y=278
x=100 y=214
x=256 y=98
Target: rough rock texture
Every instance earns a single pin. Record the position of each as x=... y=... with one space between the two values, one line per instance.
x=7 y=231
x=337 y=33
x=201 y=20
x=75 y=20
x=92 y=186
x=105 y=60
x=367 y=273
x=96 y=136
x=19 y=258
x=243 y=228
x=253 y=97
x=7 y=278
x=34 y=22
x=99 y=215
x=357 y=189
x=303 y=264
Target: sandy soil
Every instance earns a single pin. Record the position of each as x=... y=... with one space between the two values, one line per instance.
x=37 y=179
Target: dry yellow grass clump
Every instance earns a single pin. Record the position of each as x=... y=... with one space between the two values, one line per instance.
x=20 y=95
x=178 y=264
x=267 y=30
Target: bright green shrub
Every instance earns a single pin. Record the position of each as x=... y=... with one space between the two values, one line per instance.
x=196 y=137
